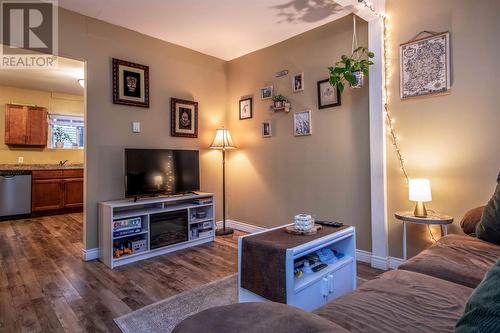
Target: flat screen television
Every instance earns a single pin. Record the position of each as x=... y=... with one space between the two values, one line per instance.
x=161 y=171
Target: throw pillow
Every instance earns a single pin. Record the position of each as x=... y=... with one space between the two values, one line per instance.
x=482 y=311
x=489 y=227
x=471 y=219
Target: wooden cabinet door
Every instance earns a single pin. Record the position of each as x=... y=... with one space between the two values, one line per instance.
x=73 y=192
x=46 y=194
x=37 y=126
x=16 y=123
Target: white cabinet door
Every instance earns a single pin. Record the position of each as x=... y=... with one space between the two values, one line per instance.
x=340 y=282
x=313 y=296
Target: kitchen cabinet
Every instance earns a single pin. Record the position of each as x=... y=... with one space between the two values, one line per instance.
x=25 y=125
x=57 y=191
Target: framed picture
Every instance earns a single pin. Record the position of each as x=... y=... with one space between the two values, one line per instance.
x=298 y=82
x=184 y=118
x=425 y=66
x=130 y=83
x=302 y=123
x=246 y=111
x=328 y=95
x=266 y=92
x=266 y=129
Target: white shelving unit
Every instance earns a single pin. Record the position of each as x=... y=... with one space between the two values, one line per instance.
x=111 y=211
x=310 y=291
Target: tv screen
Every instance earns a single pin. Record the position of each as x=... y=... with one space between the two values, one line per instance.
x=161 y=171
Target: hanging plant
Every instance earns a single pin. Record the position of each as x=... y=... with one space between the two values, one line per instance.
x=351 y=69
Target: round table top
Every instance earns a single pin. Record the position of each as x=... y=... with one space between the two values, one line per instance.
x=432 y=218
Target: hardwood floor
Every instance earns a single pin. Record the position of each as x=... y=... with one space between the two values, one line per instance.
x=46 y=287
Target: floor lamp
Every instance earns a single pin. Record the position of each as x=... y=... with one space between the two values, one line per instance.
x=223 y=141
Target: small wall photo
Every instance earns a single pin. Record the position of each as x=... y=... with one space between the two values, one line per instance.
x=266 y=92
x=328 y=95
x=245 y=108
x=298 y=82
x=302 y=123
x=266 y=129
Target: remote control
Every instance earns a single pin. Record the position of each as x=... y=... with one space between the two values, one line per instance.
x=319 y=267
x=330 y=223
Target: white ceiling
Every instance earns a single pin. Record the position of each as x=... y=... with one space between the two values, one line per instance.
x=226 y=29
x=63 y=79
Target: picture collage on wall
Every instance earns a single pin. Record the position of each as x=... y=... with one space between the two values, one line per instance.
x=131 y=87
x=328 y=96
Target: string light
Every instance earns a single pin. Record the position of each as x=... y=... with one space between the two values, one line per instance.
x=387 y=76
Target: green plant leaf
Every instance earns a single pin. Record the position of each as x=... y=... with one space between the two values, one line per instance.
x=340 y=85
x=351 y=78
x=371 y=54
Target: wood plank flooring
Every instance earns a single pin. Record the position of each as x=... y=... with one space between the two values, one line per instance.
x=46 y=287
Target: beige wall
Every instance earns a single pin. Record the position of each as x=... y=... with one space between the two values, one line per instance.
x=325 y=174
x=174 y=72
x=55 y=103
x=453 y=140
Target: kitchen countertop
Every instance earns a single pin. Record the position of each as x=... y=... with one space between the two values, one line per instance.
x=31 y=167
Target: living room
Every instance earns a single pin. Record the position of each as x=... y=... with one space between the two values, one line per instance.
x=232 y=64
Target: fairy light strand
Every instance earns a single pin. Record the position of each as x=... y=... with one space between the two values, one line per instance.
x=387 y=72
x=388 y=117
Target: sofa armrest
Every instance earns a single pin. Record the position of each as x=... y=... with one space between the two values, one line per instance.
x=471 y=219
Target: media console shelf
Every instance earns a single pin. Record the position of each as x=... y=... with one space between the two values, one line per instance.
x=131 y=231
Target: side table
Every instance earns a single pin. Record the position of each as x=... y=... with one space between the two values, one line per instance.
x=431 y=219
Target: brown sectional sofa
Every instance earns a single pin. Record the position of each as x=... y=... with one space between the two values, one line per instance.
x=427 y=293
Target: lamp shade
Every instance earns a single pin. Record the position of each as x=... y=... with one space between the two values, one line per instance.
x=223 y=140
x=420 y=190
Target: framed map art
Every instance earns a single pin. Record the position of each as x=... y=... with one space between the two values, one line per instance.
x=425 y=66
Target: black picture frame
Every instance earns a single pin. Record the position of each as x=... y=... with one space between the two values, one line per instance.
x=178 y=109
x=130 y=83
x=330 y=105
x=242 y=103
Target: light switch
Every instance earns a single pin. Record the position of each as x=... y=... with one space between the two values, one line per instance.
x=136 y=127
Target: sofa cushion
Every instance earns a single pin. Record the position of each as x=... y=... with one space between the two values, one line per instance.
x=399 y=301
x=471 y=219
x=259 y=317
x=456 y=258
x=482 y=311
x=489 y=227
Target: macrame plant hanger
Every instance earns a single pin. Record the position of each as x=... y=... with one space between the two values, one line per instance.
x=354 y=35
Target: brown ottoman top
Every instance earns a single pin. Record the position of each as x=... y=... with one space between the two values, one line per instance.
x=259 y=317
x=399 y=301
x=456 y=258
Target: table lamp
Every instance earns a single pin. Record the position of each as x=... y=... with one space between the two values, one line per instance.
x=420 y=192
x=223 y=141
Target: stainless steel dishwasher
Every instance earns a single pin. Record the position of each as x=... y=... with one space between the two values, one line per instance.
x=15 y=194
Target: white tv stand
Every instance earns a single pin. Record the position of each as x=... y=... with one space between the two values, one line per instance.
x=112 y=211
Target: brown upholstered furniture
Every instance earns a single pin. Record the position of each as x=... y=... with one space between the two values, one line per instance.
x=456 y=258
x=428 y=293
x=257 y=318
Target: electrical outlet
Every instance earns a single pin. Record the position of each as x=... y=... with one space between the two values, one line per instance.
x=20 y=159
x=136 y=127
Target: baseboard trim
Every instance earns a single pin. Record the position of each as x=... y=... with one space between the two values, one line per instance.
x=90 y=254
x=361 y=255
x=250 y=228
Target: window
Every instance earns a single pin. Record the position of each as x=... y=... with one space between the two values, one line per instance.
x=66 y=128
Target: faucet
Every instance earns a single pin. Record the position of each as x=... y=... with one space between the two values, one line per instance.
x=62 y=163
